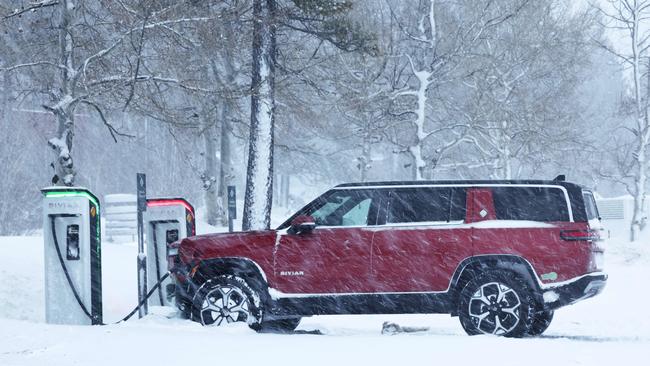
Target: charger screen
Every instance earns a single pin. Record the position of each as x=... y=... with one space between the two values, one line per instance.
x=172 y=236
x=72 y=240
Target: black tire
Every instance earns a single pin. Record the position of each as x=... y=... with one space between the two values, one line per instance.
x=498 y=303
x=280 y=325
x=227 y=299
x=541 y=322
x=184 y=307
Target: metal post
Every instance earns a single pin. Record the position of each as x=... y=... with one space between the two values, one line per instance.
x=142 y=257
x=232 y=207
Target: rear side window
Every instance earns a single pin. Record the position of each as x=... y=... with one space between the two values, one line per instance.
x=426 y=205
x=590 y=206
x=530 y=203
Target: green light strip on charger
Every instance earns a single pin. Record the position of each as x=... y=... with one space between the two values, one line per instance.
x=73 y=194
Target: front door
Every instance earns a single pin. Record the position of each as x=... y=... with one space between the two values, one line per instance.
x=334 y=258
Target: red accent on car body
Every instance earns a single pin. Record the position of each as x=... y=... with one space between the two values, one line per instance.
x=480 y=199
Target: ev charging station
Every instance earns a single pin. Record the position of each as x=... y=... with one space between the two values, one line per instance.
x=166 y=220
x=72 y=236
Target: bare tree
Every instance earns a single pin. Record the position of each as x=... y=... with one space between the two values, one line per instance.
x=84 y=64
x=630 y=18
x=432 y=54
x=521 y=89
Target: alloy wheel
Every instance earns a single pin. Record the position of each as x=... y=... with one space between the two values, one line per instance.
x=494 y=308
x=224 y=303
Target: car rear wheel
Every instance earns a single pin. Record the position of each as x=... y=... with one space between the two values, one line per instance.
x=497 y=303
x=541 y=322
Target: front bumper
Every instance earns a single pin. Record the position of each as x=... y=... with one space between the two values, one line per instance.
x=182 y=287
x=572 y=291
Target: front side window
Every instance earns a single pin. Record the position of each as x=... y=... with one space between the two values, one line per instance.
x=328 y=207
x=358 y=215
x=343 y=208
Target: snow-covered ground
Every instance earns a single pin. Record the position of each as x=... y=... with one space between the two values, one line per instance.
x=613 y=328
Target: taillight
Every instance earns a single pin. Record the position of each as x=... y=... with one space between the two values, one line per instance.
x=574 y=235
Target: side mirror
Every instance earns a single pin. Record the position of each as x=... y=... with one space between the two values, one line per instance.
x=302 y=225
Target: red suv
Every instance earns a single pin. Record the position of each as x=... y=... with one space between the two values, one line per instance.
x=501 y=255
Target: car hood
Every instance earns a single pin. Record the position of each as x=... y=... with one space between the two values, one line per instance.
x=237 y=244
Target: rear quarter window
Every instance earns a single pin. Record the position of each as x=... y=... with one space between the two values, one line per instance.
x=590 y=205
x=530 y=203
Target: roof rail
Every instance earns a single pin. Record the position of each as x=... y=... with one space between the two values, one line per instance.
x=560 y=178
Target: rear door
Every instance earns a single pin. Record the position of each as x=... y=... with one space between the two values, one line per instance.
x=421 y=239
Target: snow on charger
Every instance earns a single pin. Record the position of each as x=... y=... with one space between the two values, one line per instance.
x=72 y=239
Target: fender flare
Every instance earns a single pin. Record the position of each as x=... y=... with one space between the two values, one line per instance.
x=238 y=266
x=471 y=266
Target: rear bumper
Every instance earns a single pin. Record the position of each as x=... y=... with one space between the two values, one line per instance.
x=572 y=291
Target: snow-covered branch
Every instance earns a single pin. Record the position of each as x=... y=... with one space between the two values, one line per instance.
x=32 y=64
x=113 y=131
x=33 y=6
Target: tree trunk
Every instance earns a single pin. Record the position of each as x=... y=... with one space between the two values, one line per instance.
x=639 y=217
x=209 y=175
x=365 y=159
x=416 y=149
x=64 y=170
x=226 y=169
x=418 y=163
x=259 y=175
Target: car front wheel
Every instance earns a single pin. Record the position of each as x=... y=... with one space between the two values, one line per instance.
x=227 y=299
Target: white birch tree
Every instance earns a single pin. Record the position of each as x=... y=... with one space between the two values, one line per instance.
x=435 y=53
x=631 y=19
x=259 y=174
